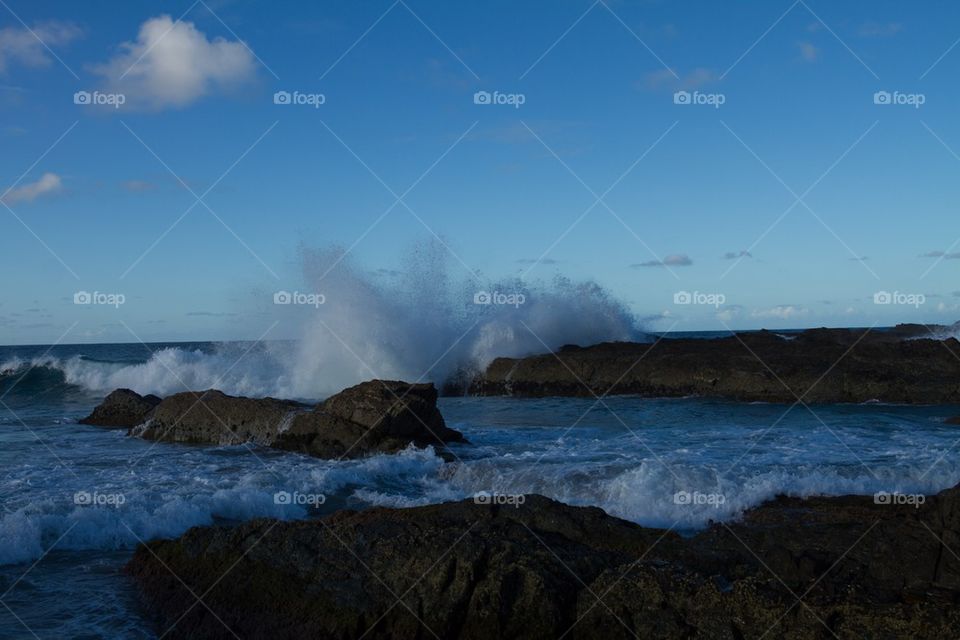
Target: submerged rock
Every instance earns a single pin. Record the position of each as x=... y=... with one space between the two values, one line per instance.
x=827 y=567
x=903 y=365
x=372 y=417
x=122 y=408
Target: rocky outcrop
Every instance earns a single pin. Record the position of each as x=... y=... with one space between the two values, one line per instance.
x=819 y=365
x=373 y=417
x=821 y=568
x=213 y=417
x=122 y=408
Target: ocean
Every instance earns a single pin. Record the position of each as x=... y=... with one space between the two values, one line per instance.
x=77 y=499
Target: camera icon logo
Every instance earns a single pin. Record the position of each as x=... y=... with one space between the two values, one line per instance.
x=682 y=297
x=82 y=297
x=882 y=297
x=282 y=497
x=682 y=97
x=82 y=498
x=482 y=297
x=882 y=97
x=682 y=497
x=81 y=97
x=282 y=297
x=482 y=497
x=282 y=97
x=482 y=97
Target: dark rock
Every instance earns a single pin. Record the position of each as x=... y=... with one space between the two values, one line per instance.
x=818 y=365
x=382 y=416
x=212 y=417
x=953 y=420
x=372 y=417
x=546 y=570
x=122 y=408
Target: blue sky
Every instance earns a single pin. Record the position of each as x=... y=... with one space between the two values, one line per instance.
x=823 y=196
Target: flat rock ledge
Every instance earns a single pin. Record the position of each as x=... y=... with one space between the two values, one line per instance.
x=908 y=364
x=819 y=568
x=378 y=416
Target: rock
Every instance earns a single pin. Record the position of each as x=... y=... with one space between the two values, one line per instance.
x=953 y=420
x=372 y=417
x=212 y=417
x=122 y=408
x=818 y=365
x=383 y=416
x=545 y=570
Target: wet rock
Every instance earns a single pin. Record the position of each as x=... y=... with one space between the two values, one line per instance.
x=373 y=417
x=122 y=408
x=383 y=416
x=542 y=569
x=213 y=417
x=818 y=365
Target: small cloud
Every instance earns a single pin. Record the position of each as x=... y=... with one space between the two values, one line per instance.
x=28 y=47
x=809 y=51
x=733 y=255
x=877 y=30
x=546 y=261
x=172 y=64
x=780 y=312
x=941 y=254
x=390 y=273
x=138 y=186
x=675 y=260
x=48 y=183
x=13 y=132
x=664 y=79
x=860 y=259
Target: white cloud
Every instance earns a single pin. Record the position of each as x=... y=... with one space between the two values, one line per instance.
x=675 y=260
x=172 y=64
x=781 y=312
x=48 y=183
x=26 y=46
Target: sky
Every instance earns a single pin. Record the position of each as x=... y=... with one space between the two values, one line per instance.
x=713 y=165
